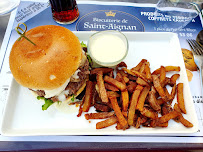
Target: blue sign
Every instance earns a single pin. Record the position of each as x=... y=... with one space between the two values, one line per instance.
x=109 y=20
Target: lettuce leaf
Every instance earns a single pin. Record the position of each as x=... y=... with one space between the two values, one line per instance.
x=48 y=102
x=83 y=44
x=73 y=98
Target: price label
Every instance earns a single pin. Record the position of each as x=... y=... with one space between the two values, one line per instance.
x=186 y=34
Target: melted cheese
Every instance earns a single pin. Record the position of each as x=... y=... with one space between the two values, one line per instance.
x=57 y=91
x=84 y=58
x=62 y=96
x=75 y=77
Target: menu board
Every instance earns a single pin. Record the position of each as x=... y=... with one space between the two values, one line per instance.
x=98 y=16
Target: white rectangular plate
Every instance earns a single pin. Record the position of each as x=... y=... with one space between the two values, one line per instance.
x=23 y=115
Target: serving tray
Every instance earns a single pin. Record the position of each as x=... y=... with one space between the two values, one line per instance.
x=23 y=115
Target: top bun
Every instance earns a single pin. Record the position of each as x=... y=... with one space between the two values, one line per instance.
x=48 y=64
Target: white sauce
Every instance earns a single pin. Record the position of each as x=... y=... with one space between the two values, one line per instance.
x=75 y=77
x=62 y=96
x=64 y=107
x=107 y=48
x=57 y=91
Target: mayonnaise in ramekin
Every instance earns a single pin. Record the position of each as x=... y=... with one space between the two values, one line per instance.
x=108 y=48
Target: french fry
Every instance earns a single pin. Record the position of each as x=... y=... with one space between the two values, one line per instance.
x=125 y=100
x=141 y=82
x=111 y=74
x=167 y=93
x=147 y=123
x=159 y=88
x=119 y=77
x=167 y=117
x=103 y=70
x=121 y=65
x=106 y=123
x=110 y=87
x=115 y=83
x=176 y=108
x=165 y=124
x=142 y=98
x=180 y=98
x=124 y=76
x=88 y=96
x=138 y=123
x=149 y=113
x=100 y=115
x=80 y=108
x=167 y=69
x=173 y=93
x=180 y=118
x=185 y=122
x=152 y=100
x=102 y=90
x=136 y=73
x=153 y=123
x=125 y=114
x=131 y=86
x=147 y=71
x=137 y=68
x=122 y=73
x=102 y=107
x=119 y=115
x=95 y=94
x=132 y=77
x=112 y=93
x=97 y=88
x=124 y=94
x=133 y=104
x=174 y=78
x=160 y=101
x=165 y=82
x=126 y=79
x=162 y=74
x=119 y=127
x=142 y=68
x=144 y=119
x=97 y=97
x=166 y=108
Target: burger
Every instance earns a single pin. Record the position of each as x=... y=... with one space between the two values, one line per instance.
x=55 y=68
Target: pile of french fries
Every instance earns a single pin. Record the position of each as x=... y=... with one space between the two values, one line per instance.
x=134 y=97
